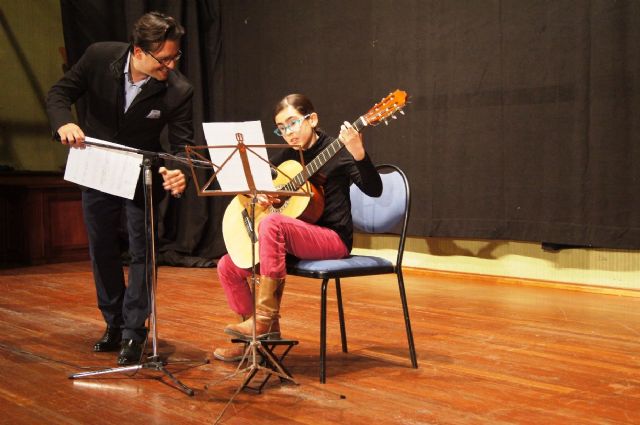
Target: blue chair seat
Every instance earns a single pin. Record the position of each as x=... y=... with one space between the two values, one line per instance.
x=354 y=265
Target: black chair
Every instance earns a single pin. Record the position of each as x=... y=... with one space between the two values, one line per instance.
x=387 y=214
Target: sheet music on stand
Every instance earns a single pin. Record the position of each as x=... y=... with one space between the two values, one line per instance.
x=240 y=164
x=219 y=135
x=113 y=171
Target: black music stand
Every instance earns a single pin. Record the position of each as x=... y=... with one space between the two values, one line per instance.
x=154 y=361
x=270 y=363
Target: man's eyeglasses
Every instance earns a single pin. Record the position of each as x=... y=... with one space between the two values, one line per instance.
x=166 y=61
x=293 y=126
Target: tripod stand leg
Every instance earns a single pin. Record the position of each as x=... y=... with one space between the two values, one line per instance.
x=240 y=388
x=159 y=366
x=182 y=387
x=278 y=367
x=104 y=371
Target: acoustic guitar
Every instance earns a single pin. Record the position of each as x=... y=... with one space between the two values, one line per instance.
x=237 y=227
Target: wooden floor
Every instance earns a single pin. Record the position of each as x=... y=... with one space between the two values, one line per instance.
x=489 y=353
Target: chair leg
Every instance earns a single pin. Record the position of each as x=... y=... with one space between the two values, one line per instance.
x=323 y=330
x=343 y=332
x=407 y=321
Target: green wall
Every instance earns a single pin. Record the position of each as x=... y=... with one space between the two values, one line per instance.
x=30 y=39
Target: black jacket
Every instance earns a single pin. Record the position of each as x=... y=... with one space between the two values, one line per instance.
x=99 y=77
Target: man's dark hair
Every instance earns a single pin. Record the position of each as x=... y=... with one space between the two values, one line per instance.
x=152 y=30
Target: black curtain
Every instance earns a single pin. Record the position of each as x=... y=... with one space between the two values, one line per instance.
x=524 y=119
x=189 y=229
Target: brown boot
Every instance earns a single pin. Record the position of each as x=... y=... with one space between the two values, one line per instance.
x=268 y=298
x=233 y=353
x=239 y=319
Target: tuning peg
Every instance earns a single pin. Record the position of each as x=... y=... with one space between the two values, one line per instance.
x=394 y=117
x=401 y=111
x=386 y=122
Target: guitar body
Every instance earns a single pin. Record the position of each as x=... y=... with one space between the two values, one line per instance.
x=236 y=223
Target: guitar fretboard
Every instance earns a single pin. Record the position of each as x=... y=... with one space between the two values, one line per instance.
x=322 y=158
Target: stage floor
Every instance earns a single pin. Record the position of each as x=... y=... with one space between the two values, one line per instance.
x=489 y=352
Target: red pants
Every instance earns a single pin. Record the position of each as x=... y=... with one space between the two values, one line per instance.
x=278 y=235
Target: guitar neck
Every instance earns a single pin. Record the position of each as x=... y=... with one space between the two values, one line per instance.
x=322 y=158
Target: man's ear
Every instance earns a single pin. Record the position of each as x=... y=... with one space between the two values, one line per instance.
x=138 y=52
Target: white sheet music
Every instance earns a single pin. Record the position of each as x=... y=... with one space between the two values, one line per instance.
x=232 y=176
x=107 y=170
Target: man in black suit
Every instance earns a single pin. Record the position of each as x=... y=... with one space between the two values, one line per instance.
x=132 y=93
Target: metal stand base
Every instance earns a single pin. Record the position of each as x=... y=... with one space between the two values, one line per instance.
x=270 y=363
x=153 y=362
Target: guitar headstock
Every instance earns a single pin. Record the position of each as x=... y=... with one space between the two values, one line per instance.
x=386 y=108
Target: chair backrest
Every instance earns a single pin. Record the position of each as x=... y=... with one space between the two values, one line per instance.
x=387 y=214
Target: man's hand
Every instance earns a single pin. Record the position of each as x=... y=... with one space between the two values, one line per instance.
x=72 y=135
x=174 y=181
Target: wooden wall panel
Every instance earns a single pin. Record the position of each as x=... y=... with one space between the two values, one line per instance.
x=41 y=220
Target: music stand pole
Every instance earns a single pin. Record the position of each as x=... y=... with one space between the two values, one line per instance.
x=254 y=346
x=153 y=362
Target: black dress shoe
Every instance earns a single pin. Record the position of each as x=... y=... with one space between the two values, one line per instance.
x=130 y=352
x=110 y=341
